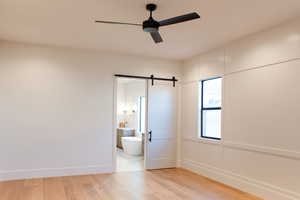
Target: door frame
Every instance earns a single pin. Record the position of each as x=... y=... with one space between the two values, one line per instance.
x=115 y=124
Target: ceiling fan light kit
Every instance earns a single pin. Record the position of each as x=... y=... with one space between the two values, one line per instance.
x=152 y=26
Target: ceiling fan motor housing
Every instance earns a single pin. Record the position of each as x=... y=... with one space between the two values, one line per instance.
x=150 y=25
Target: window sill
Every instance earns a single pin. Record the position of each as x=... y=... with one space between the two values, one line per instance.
x=204 y=140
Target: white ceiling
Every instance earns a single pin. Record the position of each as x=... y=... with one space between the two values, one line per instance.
x=70 y=23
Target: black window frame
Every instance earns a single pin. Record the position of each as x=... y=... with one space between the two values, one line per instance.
x=210 y=108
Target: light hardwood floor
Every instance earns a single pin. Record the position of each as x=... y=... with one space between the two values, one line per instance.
x=168 y=184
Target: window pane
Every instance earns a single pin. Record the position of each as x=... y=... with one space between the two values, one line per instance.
x=211 y=123
x=212 y=91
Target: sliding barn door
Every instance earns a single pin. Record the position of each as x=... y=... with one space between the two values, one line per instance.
x=162 y=125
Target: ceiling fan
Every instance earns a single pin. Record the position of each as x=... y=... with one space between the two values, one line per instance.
x=152 y=26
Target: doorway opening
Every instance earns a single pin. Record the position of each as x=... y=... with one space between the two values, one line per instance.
x=130 y=124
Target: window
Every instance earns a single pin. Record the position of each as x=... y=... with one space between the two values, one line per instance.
x=211 y=102
x=142 y=114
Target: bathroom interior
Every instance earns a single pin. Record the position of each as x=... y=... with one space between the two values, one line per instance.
x=131 y=124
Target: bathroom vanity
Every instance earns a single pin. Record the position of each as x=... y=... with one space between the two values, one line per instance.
x=124 y=132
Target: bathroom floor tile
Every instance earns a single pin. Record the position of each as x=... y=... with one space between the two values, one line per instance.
x=126 y=162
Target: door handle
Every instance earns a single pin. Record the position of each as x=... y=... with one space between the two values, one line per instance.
x=150 y=136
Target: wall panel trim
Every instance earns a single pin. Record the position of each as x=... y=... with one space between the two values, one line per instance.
x=253 y=148
x=266 y=150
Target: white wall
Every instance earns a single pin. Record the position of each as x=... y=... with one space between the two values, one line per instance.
x=133 y=91
x=121 y=102
x=260 y=150
x=128 y=95
x=57 y=108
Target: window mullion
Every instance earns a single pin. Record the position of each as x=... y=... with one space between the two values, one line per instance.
x=214 y=108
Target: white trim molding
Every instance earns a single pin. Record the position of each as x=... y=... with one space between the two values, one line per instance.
x=249 y=147
x=266 y=150
x=54 y=172
x=243 y=183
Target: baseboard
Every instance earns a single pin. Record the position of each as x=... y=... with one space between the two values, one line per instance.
x=54 y=172
x=255 y=187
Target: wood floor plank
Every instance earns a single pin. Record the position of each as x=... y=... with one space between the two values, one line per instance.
x=33 y=189
x=173 y=184
x=54 y=189
x=11 y=190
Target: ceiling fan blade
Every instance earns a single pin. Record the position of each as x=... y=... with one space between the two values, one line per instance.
x=110 y=22
x=156 y=37
x=179 y=19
